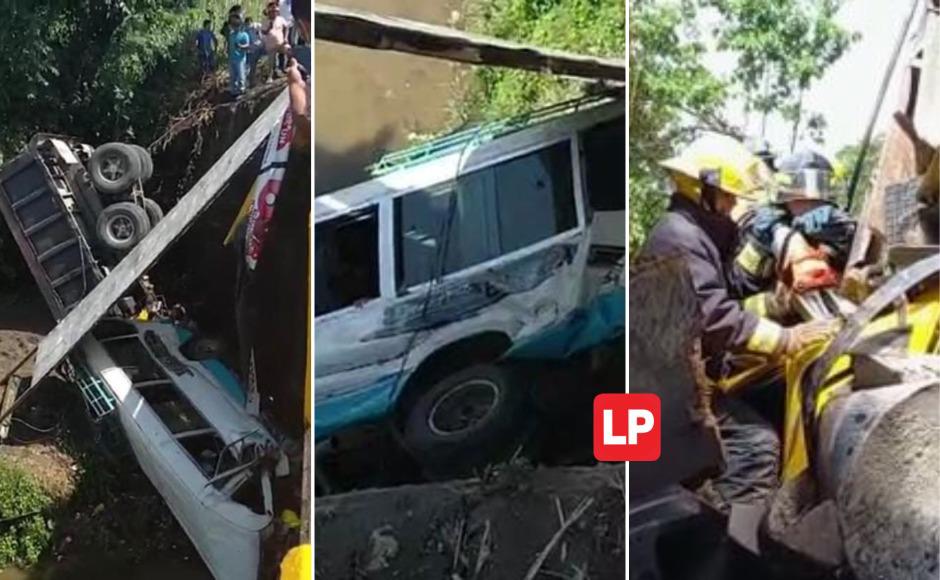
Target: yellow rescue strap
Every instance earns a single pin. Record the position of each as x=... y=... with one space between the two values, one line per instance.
x=921 y=315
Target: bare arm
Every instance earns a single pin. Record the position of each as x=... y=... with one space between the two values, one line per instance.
x=299 y=103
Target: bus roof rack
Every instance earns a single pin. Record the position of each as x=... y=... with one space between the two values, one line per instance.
x=461 y=139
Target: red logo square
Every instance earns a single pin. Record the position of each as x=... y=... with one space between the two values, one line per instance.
x=626 y=427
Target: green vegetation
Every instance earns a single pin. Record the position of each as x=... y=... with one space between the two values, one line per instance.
x=99 y=70
x=781 y=48
x=593 y=27
x=847 y=157
x=671 y=95
x=24 y=533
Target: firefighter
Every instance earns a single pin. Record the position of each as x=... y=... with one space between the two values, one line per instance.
x=708 y=179
x=804 y=188
x=799 y=232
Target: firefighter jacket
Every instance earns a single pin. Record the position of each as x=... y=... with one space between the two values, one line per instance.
x=708 y=242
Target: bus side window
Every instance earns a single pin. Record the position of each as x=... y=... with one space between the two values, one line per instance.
x=347 y=260
x=604 y=150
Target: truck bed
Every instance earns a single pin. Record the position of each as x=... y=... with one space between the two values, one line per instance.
x=36 y=208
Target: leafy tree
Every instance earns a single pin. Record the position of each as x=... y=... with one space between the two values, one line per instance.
x=846 y=158
x=781 y=48
x=98 y=69
x=585 y=26
x=671 y=96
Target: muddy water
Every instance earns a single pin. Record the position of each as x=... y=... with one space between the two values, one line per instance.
x=368 y=101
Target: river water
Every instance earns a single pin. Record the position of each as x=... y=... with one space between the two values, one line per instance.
x=369 y=101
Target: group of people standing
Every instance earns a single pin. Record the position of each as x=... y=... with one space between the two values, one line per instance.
x=247 y=42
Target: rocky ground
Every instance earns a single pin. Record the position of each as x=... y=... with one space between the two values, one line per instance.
x=379 y=517
x=517 y=522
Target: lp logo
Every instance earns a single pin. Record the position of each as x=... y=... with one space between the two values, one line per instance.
x=626 y=427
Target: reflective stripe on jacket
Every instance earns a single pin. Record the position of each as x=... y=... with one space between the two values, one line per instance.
x=707 y=242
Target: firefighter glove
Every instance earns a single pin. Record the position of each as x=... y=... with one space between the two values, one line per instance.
x=798 y=337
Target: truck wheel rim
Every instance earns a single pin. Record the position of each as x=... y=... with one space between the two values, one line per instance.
x=121 y=228
x=113 y=168
x=463 y=407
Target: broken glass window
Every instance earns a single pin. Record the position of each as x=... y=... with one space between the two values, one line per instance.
x=347 y=260
x=603 y=154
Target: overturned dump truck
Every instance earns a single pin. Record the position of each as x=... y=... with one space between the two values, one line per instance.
x=74 y=210
x=860 y=480
x=188 y=418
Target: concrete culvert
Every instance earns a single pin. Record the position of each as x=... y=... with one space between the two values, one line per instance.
x=889 y=504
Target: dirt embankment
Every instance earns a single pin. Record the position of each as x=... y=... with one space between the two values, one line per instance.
x=198 y=270
x=202 y=273
x=30 y=448
x=491 y=528
x=519 y=523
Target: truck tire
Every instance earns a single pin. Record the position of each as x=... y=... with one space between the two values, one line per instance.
x=146 y=163
x=154 y=211
x=465 y=421
x=114 y=168
x=122 y=225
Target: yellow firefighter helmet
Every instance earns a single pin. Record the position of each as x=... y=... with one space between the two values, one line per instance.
x=724 y=160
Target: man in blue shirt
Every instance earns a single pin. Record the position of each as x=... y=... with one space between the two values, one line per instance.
x=257 y=48
x=206 y=46
x=239 y=44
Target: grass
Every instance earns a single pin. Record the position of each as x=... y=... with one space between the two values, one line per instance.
x=24 y=530
x=594 y=27
x=107 y=511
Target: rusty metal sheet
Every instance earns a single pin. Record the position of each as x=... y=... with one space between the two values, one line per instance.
x=896 y=164
x=63 y=338
x=665 y=326
x=372 y=31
